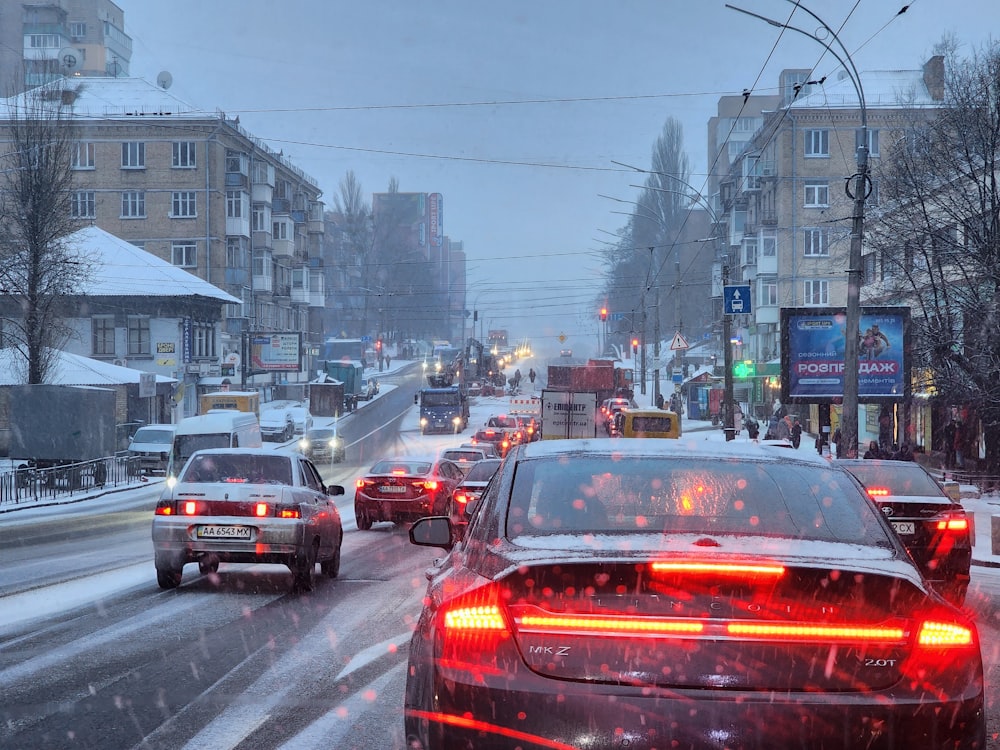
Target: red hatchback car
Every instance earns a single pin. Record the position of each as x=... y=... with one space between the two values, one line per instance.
x=406 y=488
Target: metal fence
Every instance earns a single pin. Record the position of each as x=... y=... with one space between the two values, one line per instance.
x=26 y=485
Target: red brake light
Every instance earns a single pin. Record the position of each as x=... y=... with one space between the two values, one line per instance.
x=461 y=498
x=958 y=524
x=726 y=569
x=260 y=509
x=398 y=472
x=190 y=508
x=944 y=634
x=360 y=483
x=878 y=492
x=428 y=485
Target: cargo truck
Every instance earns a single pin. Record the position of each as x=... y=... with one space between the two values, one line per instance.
x=62 y=425
x=248 y=401
x=443 y=409
x=600 y=376
x=569 y=414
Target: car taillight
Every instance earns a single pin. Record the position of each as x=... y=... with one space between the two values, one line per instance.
x=461 y=498
x=190 y=508
x=958 y=524
x=287 y=512
x=878 y=492
x=164 y=508
x=430 y=485
x=934 y=634
x=260 y=509
x=470 y=628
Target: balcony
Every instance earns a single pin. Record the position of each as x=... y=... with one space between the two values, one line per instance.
x=237 y=180
x=767 y=218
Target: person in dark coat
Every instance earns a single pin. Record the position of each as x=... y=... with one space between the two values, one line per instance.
x=949 y=445
x=873 y=450
x=796 y=433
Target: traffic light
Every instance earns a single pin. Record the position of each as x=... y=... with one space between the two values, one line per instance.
x=604 y=314
x=378 y=346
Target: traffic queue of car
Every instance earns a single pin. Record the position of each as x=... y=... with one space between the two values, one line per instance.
x=671 y=592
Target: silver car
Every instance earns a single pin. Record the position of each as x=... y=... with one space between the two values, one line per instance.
x=247 y=505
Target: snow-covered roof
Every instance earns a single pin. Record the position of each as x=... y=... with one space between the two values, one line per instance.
x=123 y=269
x=71 y=369
x=882 y=89
x=109 y=98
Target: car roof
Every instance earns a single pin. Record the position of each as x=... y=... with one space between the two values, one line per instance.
x=684 y=446
x=285 y=453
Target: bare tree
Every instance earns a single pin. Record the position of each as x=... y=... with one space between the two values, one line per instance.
x=38 y=269
x=937 y=232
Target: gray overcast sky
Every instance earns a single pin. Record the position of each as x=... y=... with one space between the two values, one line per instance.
x=423 y=92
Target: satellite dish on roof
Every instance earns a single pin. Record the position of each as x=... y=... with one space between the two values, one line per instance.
x=70 y=61
x=164 y=79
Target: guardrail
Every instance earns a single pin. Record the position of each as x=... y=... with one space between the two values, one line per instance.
x=28 y=485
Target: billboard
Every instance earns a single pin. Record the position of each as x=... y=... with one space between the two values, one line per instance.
x=276 y=352
x=812 y=354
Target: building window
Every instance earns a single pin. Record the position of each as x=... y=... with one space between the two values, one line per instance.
x=749 y=251
x=77 y=30
x=43 y=41
x=816 y=292
x=872 y=141
x=184 y=204
x=138 y=335
x=103 y=329
x=817 y=143
x=260 y=218
x=134 y=204
x=234 y=204
x=817 y=242
x=817 y=194
x=133 y=155
x=202 y=339
x=768 y=245
x=767 y=291
x=84 y=204
x=868 y=268
x=236 y=252
x=84 y=156
x=184 y=254
x=184 y=155
x=279 y=230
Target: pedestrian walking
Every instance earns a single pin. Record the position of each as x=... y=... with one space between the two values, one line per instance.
x=659 y=400
x=532 y=375
x=796 y=433
x=949 y=444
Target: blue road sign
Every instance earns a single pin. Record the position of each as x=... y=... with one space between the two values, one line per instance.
x=736 y=299
x=616 y=316
x=366 y=339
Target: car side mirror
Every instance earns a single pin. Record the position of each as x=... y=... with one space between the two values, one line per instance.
x=335 y=489
x=432 y=531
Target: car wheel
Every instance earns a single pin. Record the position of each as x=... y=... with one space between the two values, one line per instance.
x=363 y=520
x=168 y=578
x=208 y=564
x=331 y=568
x=304 y=569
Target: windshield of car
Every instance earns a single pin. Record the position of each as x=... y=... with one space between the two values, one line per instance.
x=432 y=398
x=607 y=494
x=238 y=469
x=463 y=455
x=898 y=477
x=402 y=467
x=153 y=435
x=483 y=471
x=185 y=445
x=320 y=434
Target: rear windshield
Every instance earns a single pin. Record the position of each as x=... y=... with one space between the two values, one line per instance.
x=152 y=435
x=239 y=469
x=899 y=477
x=652 y=424
x=483 y=471
x=401 y=467
x=463 y=455
x=604 y=494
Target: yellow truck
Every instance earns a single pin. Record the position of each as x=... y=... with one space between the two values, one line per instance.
x=248 y=401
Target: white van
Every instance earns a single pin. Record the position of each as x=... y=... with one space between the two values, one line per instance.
x=222 y=428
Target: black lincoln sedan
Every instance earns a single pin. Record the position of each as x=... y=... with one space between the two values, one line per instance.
x=662 y=594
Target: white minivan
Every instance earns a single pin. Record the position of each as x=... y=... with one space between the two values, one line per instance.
x=219 y=428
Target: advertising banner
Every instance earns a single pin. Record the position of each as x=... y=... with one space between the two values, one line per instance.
x=271 y=352
x=812 y=353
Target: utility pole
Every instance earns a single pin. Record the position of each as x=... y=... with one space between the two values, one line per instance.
x=728 y=424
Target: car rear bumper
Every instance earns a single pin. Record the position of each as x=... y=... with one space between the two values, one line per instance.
x=176 y=541
x=570 y=715
x=380 y=509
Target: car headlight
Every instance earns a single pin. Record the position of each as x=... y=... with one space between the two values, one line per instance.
x=334 y=442
x=423 y=420
x=303 y=445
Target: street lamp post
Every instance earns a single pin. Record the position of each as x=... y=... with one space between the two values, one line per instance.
x=849 y=414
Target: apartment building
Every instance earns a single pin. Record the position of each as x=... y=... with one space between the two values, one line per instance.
x=787 y=215
x=40 y=42
x=197 y=190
